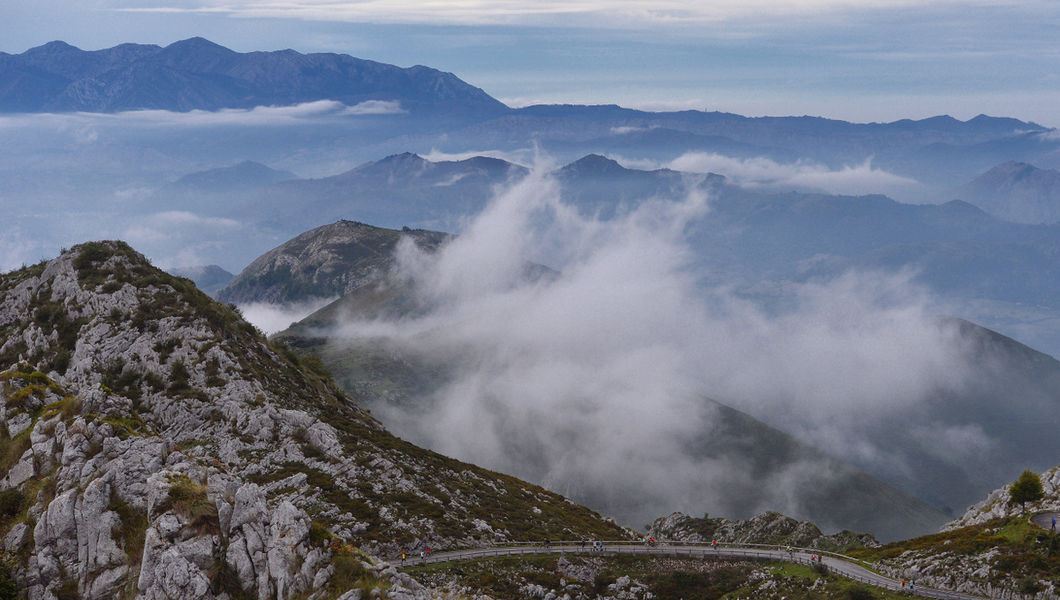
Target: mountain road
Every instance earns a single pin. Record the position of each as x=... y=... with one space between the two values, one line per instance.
x=841 y=565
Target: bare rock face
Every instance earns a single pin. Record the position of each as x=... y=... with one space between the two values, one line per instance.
x=154 y=445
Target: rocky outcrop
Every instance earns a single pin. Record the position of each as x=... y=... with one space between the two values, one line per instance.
x=766 y=528
x=996 y=505
x=154 y=445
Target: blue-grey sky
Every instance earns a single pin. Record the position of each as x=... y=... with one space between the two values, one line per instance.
x=869 y=60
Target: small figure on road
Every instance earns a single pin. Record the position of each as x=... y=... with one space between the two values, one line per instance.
x=714 y=544
x=403 y=558
x=422 y=555
x=1054 y=523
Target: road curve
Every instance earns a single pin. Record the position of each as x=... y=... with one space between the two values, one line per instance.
x=1045 y=520
x=843 y=566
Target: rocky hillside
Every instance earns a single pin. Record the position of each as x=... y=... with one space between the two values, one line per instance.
x=997 y=506
x=993 y=550
x=328 y=261
x=155 y=445
x=766 y=528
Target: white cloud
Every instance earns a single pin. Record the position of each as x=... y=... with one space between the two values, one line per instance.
x=272 y=318
x=628 y=129
x=861 y=178
x=592 y=383
x=83 y=126
x=375 y=107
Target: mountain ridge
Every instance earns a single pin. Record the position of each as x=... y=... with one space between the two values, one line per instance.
x=154 y=444
x=196 y=74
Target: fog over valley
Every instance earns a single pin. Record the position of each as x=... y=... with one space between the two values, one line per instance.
x=645 y=311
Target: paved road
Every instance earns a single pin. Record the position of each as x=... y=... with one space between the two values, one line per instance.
x=844 y=566
x=1045 y=520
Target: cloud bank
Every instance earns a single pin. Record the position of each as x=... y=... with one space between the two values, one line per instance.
x=594 y=382
x=763 y=172
x=80 y=125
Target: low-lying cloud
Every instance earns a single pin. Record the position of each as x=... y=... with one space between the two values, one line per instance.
x=272 y=318
x=82 y=125
x=763 y=172
x=593 y=382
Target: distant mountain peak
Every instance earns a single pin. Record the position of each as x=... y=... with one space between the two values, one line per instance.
x=595 y=164
x=1016 y=191
x=197 y=43
x=52 y=47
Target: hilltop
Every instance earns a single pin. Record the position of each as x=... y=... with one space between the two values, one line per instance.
x=1017 y=192
x=155 y=445
x=324 y=262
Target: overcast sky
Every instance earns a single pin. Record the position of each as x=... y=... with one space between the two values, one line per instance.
x=875 y=60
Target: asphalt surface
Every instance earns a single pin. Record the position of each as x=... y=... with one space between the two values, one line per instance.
x=1045 y=520
x=844 y=567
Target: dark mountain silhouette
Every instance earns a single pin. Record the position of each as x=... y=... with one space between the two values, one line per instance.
x=199 y=74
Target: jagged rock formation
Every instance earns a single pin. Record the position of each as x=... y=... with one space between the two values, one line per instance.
x=155 y=445
x=766 y=528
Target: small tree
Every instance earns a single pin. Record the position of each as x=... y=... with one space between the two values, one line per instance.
x=1028 y=488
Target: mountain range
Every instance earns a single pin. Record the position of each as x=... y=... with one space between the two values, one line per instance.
x=196 y=74
x=997 y=272
x=154 y=444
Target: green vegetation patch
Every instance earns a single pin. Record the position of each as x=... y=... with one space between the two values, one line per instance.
x=350 y=574
x=329 y=490
x=191 y=500
x=1022 y=548
x=131 y=530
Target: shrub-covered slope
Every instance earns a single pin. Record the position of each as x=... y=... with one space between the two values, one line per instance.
x=155 y=445
x=994 y=549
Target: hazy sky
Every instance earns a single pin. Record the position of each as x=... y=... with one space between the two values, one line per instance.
x=874 y=60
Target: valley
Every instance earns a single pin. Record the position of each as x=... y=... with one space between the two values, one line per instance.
x=273 y=323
